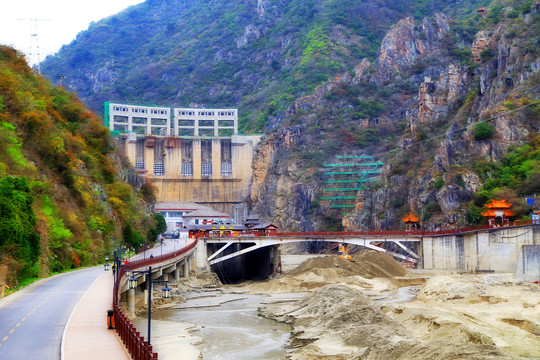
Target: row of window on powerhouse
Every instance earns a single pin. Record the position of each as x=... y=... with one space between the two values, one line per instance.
x=140 y=110
x=203 y=113
x=187 y=169
x=179 y=122
x=166 y=111
x=162 y=131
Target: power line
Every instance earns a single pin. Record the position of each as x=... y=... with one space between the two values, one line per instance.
x=494 y=117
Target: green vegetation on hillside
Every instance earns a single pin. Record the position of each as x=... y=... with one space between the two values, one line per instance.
x=515 y=177
x=264 y=59
x=228 y=53
x=62 y=204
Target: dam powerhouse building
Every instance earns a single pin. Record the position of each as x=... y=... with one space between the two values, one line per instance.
x=189 y=155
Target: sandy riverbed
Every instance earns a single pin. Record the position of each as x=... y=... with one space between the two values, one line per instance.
x=454 y=316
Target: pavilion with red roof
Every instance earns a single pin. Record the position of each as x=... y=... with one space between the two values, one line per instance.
x=411 y=222
x=498 y=212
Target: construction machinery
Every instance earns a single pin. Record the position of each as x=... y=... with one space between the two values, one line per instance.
x=343 y=252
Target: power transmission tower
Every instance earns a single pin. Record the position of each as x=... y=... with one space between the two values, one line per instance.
x=35 y=51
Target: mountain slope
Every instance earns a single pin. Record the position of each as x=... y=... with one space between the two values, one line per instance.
x=444 y=96
x=257 y=56
x=63 y=200
x=450 y=106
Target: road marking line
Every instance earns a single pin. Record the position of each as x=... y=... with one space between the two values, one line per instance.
x=11 y=331
x=23 y=319
x=19 y=324
x=4 y=339
x=29 y=314
x=35 y=309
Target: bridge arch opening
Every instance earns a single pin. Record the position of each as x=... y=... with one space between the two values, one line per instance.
x=256 y=265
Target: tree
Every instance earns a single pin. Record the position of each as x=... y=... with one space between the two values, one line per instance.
x=483 y=130
x=129 y=235
x=19 y=238
x=161 y=225
x=152 y=234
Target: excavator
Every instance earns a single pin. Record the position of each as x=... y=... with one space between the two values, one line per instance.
x=343 y=252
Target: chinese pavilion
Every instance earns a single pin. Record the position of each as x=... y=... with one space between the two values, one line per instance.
x=411 y=222
x=498 y=212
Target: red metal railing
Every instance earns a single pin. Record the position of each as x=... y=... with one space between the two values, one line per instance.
x=135 y=344
x=414 y=233
x=137 y=347
x=136 y=264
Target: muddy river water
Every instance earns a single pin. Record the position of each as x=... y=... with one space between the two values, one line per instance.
x=228 y=326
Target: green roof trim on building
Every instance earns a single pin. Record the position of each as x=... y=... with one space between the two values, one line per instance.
x=106 y=114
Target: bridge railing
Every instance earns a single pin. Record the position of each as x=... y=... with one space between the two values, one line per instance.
x=137 y=347
x=136 y=264
x=135 y=344
x=415 y=233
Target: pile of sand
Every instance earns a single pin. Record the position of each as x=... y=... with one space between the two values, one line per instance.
x=367 y=270
x=367 y=264
x=339 y=322
x=469 y=288
x=200 y=280
x=483 y=309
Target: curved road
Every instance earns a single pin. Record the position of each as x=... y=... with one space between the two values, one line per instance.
x=32 y=321
x=169 y=245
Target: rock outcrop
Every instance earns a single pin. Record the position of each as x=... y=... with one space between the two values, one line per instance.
x=404 y=46
x=450 y=95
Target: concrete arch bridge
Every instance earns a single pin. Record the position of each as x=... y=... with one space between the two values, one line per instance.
x=514 y=249
x=256 y=257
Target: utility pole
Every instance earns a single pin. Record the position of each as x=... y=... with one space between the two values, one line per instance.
x=35 y=50
x=60 y=80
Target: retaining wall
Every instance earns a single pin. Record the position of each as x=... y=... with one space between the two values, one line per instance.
x=497 y=250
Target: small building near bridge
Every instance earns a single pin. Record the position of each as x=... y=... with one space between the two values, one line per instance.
x=411 y=222
x=498 y=212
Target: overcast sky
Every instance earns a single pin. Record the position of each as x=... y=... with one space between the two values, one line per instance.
x=58 y=22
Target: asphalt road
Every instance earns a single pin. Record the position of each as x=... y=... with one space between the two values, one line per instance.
x=32 y=321
x=169 y=245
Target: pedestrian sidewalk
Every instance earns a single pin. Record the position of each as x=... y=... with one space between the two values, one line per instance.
x=86 y=335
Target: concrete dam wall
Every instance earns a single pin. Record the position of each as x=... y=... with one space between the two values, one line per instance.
x=512 y=250
x=215 y=172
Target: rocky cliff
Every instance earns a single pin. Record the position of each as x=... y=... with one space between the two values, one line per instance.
x=435 y=83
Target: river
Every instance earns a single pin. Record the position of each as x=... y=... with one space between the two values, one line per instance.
x=226 y=326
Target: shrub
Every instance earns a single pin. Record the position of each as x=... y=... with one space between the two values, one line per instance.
x=439 y=183
x=487 y=54
x=483 y=131
x=430 y=209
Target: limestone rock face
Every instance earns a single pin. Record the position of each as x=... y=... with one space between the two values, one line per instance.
x=481 y=42
x=251 y=32
x=359 y=71
x=103 y=77
x=403 y=46
x=435 y=97
x=262 y=5
x=274 y=193
x=449 y=94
